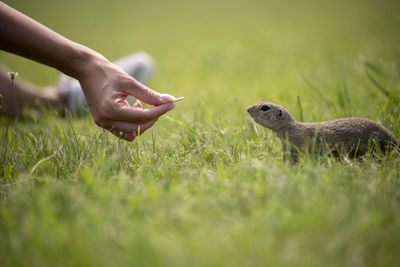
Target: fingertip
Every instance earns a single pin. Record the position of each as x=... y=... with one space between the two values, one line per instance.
x=167 y=97
x=138 y=104
x=171 y=107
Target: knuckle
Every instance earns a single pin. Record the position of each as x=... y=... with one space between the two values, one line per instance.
x=118 y=134
x=130 y=138
x=148 y=94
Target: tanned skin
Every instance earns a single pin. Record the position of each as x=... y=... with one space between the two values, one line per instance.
x=105 y=85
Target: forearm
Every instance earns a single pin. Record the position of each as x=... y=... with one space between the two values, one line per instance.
x=23 y=36
x=106 y=86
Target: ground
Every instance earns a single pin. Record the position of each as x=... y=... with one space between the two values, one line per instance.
x=206 y=186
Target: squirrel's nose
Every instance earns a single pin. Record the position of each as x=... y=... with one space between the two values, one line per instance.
x=248 y=110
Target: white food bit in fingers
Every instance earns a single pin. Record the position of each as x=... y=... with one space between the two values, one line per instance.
x=178 y=99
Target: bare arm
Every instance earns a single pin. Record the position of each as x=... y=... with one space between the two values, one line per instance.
x=105 y=85
x=23 y=36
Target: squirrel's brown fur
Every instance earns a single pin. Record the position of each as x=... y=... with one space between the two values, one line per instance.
x=351 y=136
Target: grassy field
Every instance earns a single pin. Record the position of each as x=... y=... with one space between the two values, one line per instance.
x=206 y=186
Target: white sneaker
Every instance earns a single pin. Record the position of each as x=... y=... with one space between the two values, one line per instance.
x=139 y=65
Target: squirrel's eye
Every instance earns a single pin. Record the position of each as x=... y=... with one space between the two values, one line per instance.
x=264 y=108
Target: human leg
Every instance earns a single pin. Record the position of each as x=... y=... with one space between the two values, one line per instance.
x=18 y=94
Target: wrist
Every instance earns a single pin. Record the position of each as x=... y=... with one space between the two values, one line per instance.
x=83 y=62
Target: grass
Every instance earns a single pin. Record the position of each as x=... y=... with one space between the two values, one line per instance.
x=206 y=186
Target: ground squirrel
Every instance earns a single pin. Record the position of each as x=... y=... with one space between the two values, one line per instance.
x=347 y=136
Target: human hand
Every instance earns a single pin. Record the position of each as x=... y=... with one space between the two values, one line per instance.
x=105 y=85
x=106 y=88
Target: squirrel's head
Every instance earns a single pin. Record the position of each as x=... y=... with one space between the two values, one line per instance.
x=270 y=115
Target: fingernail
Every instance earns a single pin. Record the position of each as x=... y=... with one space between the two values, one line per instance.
x=167 y=97
x=171 y=107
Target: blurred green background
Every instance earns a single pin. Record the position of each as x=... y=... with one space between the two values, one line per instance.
x=206 y=186
x=230 y=54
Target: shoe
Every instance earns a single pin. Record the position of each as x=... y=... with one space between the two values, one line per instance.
x=139 y=65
